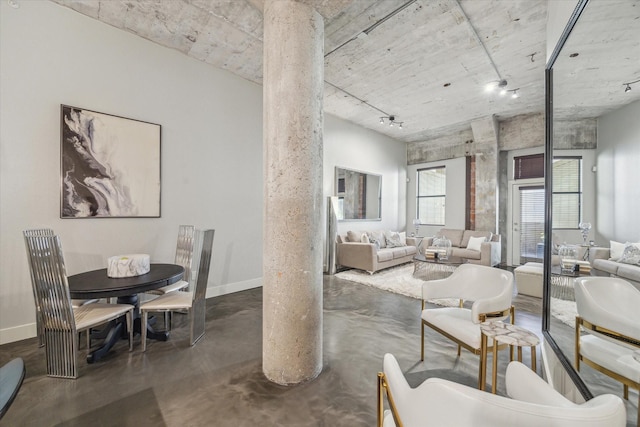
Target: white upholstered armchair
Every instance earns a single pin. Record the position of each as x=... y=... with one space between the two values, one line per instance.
x=532 y=403
x=608 y=329
x=490 y=289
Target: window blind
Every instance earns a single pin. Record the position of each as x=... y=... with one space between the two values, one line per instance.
x=531 y=223
x=567 y=192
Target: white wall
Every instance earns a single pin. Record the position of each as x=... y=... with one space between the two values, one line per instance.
x=353 y=147
x=455 y=210
x=211 y=149
x=618 y=175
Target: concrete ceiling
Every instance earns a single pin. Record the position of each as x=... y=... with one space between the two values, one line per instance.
x=424 y=61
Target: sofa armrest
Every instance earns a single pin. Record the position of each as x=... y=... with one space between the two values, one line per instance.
x=357 y=255
x=598 y=253
x=412 y=241
x=490 y=253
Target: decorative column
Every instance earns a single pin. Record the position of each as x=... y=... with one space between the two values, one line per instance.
x=485 y=135
x=292 y=251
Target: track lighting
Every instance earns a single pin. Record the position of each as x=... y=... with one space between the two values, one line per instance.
x=392 y=121
x=628 y=86
x=514 y=93
x=496 y=84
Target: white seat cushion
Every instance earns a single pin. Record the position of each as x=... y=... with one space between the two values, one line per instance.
x=612 y=356
x=180 y=284
x=172 y=301
x=90 y=315
x=456 y=322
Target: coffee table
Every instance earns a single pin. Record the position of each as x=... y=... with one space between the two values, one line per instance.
x=434 y=268
x=562 y=283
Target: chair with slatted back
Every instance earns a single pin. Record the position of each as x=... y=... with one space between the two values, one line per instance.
x=74 y=302
x=193 y=301
x=60 y=321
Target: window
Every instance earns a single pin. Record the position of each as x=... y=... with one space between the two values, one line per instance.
x=567 y=192
x=525 y=167
x=432 y=191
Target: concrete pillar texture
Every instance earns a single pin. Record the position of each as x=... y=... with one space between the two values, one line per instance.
x=293 y=204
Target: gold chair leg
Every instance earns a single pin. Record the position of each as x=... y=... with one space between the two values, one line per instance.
x=459 y=349
x=533 y=358
x=494 y=373
x=625 y=391
x=519 y=354
x=380 y=399
x=422 y=340
x=482 y=376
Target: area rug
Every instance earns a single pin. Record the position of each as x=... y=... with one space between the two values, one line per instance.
x=400 y=280
x=564 y=311
x=397 y=279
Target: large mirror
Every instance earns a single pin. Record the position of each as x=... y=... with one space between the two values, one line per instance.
x=593 y=164
x=359 y=195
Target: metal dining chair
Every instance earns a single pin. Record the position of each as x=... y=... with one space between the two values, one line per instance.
x=184 y=257
x=61 y=323
x=193 y=301
x=74 y=302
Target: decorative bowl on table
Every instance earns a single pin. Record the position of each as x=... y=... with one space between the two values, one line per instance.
x=128 y=265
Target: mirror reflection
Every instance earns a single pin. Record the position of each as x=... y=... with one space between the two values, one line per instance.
x=359 y=195
x=596 y=153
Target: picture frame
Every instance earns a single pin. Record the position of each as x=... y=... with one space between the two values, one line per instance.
x=109 y=165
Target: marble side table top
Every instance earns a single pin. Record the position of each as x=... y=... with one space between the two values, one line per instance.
x=509 y=334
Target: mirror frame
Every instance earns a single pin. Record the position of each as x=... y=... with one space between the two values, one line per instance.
x=335 y=193
x=548 y=152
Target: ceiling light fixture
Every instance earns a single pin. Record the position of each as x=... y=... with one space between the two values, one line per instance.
x=628 y=86
x=392 y=121
x=514 y=93
x=13 y=3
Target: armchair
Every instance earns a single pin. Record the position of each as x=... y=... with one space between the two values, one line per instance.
x=608 y=312
x=533 y=402
x=490 y=289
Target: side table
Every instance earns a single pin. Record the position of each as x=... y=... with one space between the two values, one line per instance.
x=506 y=333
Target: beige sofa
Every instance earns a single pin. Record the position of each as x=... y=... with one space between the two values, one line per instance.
x=603 y=265
x=490 y=251
x=355 y=252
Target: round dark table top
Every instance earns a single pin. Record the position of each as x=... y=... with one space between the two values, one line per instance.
x=96 y=283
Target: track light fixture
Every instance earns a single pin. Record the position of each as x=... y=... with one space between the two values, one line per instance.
x=497 y=84
x=514 y=93
x=628 y=86
x=391 y=120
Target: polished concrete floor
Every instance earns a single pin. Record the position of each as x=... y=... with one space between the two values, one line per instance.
x=219 y=381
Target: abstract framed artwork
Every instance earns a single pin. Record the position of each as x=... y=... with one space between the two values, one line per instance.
x=110 y=166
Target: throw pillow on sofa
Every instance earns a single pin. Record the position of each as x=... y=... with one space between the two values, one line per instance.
x=377 y=237
x=630 y=255
x=354 y=236
x=475 y=243
x=394 y=239
x=616 y=249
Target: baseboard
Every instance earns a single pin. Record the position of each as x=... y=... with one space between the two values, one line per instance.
x=22 y=332
x=18 y=333
x=229 y=288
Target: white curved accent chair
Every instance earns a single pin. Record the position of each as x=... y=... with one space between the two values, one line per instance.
x=490 y=289
x=532 y=403
x=608 y=311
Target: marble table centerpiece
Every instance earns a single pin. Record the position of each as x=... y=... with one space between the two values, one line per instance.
x=128 y=265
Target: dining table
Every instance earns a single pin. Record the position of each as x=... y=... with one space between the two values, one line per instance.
x=97 y=284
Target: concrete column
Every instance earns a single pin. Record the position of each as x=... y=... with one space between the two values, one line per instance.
x=292 y=242
x=485 y=136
